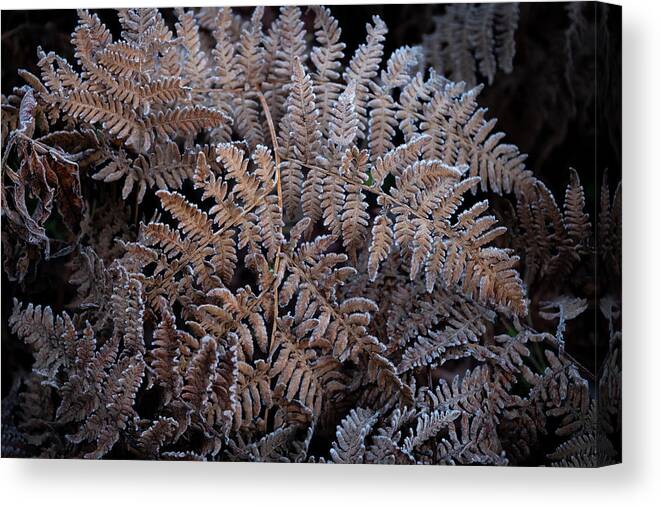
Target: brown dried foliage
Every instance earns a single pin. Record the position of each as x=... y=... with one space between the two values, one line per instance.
x=323 y=262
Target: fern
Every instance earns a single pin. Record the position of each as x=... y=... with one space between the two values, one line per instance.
x=471 y=38
x=278 y=252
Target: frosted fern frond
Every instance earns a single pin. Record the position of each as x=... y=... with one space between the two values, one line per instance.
x=469 y=38
x=315 y=256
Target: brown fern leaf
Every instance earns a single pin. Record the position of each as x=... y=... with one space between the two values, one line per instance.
x=117 y=119
x=199 y=377
x=185 y=121
x=364 y=66
x=165 y=356
x=296 y=256
x=37 y=326
x=326 y=58
x=577 y=222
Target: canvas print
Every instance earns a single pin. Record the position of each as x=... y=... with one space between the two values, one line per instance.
x=378 y=234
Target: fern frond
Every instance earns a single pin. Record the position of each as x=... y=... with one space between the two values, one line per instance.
x=364 y=66
x=355 y=218
x=344 y=121
x=254 y=391
x=117 y=119
x=303 y=115
x=381 y=244
x=185 y=121
x=199 y=377
x=251 y=68
x=465 y=393
x=472 y=37
x=156 y=436
x=165 y=356
x=196 y=66
x=428 y=426
x=577 y=222
x=349 y=446
x=465 y=324
x=287 y=36
x=38 y=327
x=397 y=73
x=326 y=58
x=120 y=408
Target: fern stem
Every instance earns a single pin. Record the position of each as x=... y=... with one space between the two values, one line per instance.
x=274 y=141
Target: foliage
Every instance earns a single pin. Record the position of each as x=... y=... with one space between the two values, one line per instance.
x=324 y=279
